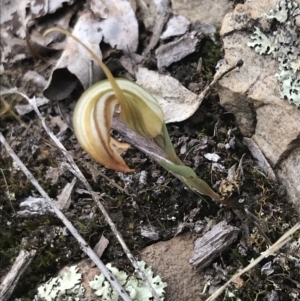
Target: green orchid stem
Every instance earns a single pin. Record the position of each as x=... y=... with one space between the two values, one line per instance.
x=190 y=178
x=186 y=174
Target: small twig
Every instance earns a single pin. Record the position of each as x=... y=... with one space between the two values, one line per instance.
x=83 y=244
x=217 y=77
x=96 y=199
x=161 y=19
x=258 y=224
x=259 y=156
x=8 y=91
x=8 y=193
x=274 y=248
x=11 y=279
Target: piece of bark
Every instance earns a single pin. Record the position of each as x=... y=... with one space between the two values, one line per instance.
x=174 y=51
x=212 y=244
x=64 y=198
x=19 y=267
x=161 y=20
x=176 y=26
x=25 y=109
x=32 y=206
x=101 y=246
x=150 y=232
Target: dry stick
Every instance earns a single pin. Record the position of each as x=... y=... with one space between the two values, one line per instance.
x=217 y=77
x=83 y=244
x=274 y=248
x=7 y=192
x=162 y=18
x=11 y=279
x=160 y=22
x=78 y=173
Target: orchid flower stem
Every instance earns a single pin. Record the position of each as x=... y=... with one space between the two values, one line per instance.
x=140 y=111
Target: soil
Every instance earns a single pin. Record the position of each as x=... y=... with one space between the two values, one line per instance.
x=159 y=199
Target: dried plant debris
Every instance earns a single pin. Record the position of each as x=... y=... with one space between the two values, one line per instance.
x=178 y=49
x=177 y=102
x=40 y=8
x=54 y=41
x=33 y=206
x=176 y=26
x=25 y=109
x=148 y=11
x=13 y=18
x=212 y=243
x=14 y=49
x=117 y=27
x=19 y=19
x=283 y=44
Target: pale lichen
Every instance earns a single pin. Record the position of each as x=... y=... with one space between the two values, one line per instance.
x=69 y=288
x=283 y=44
x=133 y=285
x=66 y=287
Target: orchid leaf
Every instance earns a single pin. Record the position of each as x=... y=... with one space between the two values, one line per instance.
x=164 y=142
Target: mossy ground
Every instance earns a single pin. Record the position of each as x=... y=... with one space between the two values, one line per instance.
x=162 y=202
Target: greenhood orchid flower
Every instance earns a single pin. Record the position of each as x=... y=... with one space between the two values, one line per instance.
x=140 y=111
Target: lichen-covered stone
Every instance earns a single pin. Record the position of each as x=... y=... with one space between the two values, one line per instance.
x=283 y=45
x=66 y=287
x=137 y=290
x=71 y=285
x=255 y=94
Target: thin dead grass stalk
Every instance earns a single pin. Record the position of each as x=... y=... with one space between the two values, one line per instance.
x=274 y=248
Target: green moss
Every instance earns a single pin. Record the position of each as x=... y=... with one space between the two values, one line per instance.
x=210 y=53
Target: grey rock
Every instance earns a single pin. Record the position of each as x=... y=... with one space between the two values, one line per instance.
x=252 y=94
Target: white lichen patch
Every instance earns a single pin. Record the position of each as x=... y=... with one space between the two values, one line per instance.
x=283 y=44
x=69 y=286
x=132 y=284
x=66 y=287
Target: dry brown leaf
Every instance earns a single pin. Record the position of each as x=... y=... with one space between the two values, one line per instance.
x=117 y=27
x=177 y=102
x=176 y=26
x=40 y=8
x=13 y=18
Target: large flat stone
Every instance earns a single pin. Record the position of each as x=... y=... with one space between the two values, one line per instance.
x=170 y=260
x=207 y=11
x=252 y=94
